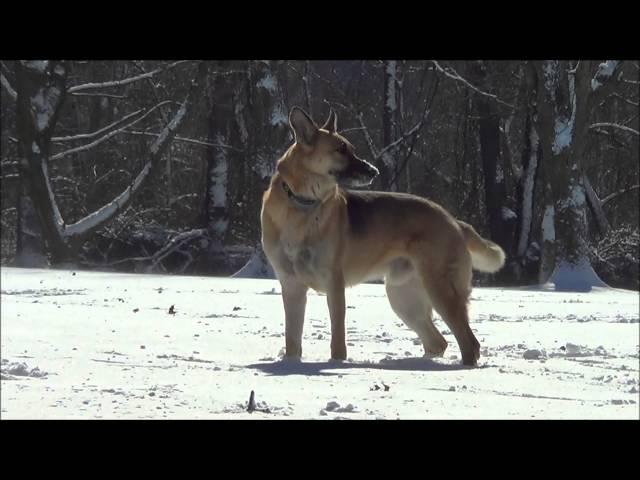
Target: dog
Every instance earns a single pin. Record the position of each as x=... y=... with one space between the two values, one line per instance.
x=319 y=234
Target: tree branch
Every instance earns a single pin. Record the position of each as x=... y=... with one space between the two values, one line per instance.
x=84 y=227
x=98 y=94
x=106 y=137
x=124 y=81
x=175 y=243
x=456 y=76
x=87 y=136
x=8 y=88
x=186 y=140
x=615 y=125
x=605 y=71
x=614 y=195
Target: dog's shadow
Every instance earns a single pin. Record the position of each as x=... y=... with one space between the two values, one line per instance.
x=332 y=368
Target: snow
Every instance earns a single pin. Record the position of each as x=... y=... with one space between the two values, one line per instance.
x=548 y=228
x=40 y=107
x=564 y=127
x=173 y=125
x=576 y=199
x=257 y=267
x=563 y=136
x=264 y=166
x=392 y=72
x=604 y=72
x=508 y=214
x=575 y=278
x=39 y=66
x=268 y=82
x=279 y=116
x=106 y=211
x=82 y=344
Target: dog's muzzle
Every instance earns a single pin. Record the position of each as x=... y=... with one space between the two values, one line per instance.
x=359 y=174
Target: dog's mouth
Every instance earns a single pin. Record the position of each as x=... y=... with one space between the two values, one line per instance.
x=358 y=174
x=359 y=181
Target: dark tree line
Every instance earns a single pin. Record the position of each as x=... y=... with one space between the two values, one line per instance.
x=161 y=166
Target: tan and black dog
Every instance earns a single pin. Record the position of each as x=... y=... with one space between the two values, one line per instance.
x=317 y=234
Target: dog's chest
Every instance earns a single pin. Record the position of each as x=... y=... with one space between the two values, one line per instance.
x=309 y=260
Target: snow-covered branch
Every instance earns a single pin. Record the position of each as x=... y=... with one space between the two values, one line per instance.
x=185 y=140
x=99 y=94
x=615 y=125
x=605 y=72
x=596 y=206
x=452 y=74
x=85 y=226
x=613 y=195
x=106 y=137
x=8 y=88
x=124 y=81
x=86 y=136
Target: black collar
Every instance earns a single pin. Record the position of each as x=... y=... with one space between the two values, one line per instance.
x=303 y=203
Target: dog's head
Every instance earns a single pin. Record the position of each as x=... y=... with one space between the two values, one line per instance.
x=323 y=156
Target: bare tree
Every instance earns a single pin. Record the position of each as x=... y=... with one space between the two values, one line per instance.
x=41 y=93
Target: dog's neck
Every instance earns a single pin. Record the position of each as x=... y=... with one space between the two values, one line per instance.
x=300 y=202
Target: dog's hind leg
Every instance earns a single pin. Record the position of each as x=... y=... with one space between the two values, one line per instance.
x=448 y=292
x=409 y=302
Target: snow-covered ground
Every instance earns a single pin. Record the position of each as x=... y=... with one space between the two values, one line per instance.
x=103 y=345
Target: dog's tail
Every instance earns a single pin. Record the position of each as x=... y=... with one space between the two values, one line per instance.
x=486 y=255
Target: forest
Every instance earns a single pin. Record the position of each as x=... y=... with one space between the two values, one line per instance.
x=160 y=166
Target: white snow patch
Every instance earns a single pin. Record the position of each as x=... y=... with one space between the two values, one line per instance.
x=604 y=72
x=40 y=108
x=563 y=136
x=534 y=354
x=508 y=214
x=576 y=199
x=548 y=228
x=268 y=82
x=575 y=278
x=92 y=344
x=279 y=116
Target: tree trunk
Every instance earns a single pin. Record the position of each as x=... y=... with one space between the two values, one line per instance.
x=528 y=175
x=30 y=248
x=41 y=88
x=564 y=102
x=501 y=219
x=389 y=110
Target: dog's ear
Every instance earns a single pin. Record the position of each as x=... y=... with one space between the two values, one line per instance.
x=331 y=125
x=303 y=127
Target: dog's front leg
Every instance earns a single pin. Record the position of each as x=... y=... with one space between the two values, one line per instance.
x=335 y=300
x=294 y=297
